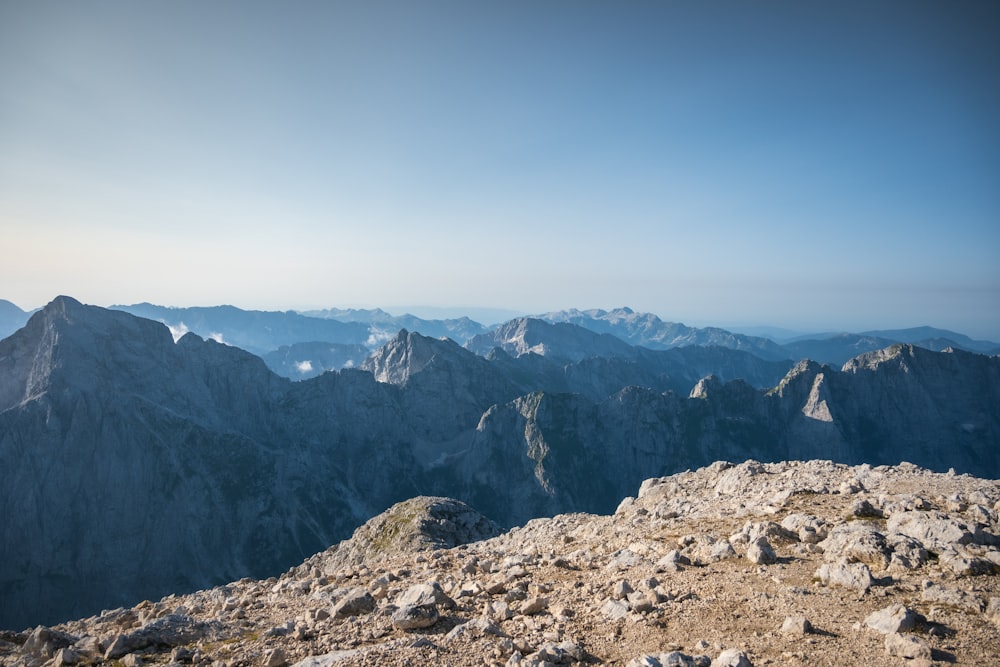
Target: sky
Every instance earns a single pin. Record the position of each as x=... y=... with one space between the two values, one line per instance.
x=815 y=166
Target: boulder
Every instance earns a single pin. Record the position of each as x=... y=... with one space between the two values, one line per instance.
x=411 y=617
x=43 y=641
x=936 y=594
x=809 y=528
x=894 y=618
x=421 y=594
x=935 y=530
x=760 y=552
x=961 y=563
x=857 y=541
x=846 y=575
x=357 y=601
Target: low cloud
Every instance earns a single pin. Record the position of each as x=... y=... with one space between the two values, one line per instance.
x=177 y=331
x=377 y=338
x=304 y=366
x=217 y=337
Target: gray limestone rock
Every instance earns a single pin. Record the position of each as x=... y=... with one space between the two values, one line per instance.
x=355 y=602
x=423 y=594
x=410 y=617
x=993 y=611
x=863 y=508
x=935 y=530
x=615 y=609
x=796 y=625
x=620 y=590
x=732 y=657
x=857 y=541
x=846 y=575
x=534 y=605
x=167 y=631
x=43 y=641
x=760 y=552
x=905 y=552
x=894 y=618
x=961 y=563
x=274 y=658
x=423 y=523
x=66 y=656
x=807 y=527
x=328 y=659
x=908 y=647
x=672 y=561
x=937 y=594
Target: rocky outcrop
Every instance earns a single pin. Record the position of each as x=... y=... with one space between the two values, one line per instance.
x=583 y=589
x=419 y=524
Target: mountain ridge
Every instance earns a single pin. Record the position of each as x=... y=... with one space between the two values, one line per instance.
x=106 y=421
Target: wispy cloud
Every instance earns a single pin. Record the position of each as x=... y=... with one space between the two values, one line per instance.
x=217 y=337
x=177 y=331
x=378 y=337
x=304 y=366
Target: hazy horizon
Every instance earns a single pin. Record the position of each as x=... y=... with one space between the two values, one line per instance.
x=493 y=316
x=812 y=167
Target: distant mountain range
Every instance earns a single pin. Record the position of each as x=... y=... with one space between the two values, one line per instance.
x=275 y=335
x=133 y=464
x=301 y=345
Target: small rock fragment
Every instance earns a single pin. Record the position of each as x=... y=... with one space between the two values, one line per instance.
x=534 y=605
x=615 y=609
x=732 y=657
x=620 y=590
x=993 y=611
x=796 y=625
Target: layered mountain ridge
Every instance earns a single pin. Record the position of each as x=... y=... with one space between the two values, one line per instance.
x=301 y=345
x=132 y=465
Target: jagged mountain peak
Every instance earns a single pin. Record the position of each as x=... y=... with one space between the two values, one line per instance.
x=408 y=353
x=706 y=386
x=801 y=374
x=898 y=354
x=648 y=330
x=84 y=340
x=558 y=340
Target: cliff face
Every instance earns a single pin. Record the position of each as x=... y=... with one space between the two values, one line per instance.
x=132 y=466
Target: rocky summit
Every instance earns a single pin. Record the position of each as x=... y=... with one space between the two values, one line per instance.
x=791 y=563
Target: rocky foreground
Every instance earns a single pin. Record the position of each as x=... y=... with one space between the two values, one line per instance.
x=799 y=563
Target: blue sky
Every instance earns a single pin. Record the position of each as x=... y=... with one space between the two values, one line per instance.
x=809 y=165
